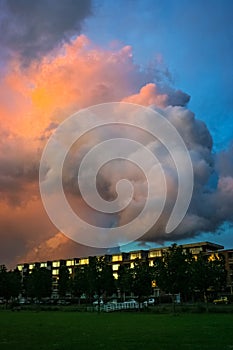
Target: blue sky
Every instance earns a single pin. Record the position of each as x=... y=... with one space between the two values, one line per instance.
x=194 y=39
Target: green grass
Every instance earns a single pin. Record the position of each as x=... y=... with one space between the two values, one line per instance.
x=28 y=330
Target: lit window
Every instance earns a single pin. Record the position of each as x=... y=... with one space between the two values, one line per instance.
x=115 y=275
x=115 y=267
x=56 y=263
x=20 y=267
x=117 y=258
x=131 y=265
x=153 y=284
x=31 y=266
x=151 y=263
x=69 y=262
x=43 y=264
x=195 y=250
x=213 y=257
x=84 y=261
x=55 y=272
x=155 y=253
x=70 y=270
x=135 y=256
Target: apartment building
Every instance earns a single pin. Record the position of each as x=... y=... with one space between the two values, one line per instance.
x=115 y=260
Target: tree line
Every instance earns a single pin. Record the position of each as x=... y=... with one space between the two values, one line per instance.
x=176 y=271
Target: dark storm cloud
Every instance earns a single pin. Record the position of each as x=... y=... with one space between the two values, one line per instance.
x=33 y=28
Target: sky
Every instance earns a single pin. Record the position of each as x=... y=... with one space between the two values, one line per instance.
x=58 y=57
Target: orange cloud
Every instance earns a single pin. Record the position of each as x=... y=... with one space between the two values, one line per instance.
x=33 y=101
x=46 y=92
x=147 y=96
x=75 y=76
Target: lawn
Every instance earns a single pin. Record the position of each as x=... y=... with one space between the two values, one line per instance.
x=56 y=330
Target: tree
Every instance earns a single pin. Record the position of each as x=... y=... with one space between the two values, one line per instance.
x=219 y=272
x=106 y=279
x=10 y=283
x=14 y=283
x=3 y=282
x=208 y=273
x=125 y=279
x=100 y=276
x=173 y=271
x=39 y=283
x=94 y=279
x=80 y=283
x=63 y=281
x=142 y=278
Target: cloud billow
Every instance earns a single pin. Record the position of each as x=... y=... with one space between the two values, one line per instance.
x=79 y=75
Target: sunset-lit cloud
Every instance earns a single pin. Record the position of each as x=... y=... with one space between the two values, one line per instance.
x=50 y=70
x=38 y=97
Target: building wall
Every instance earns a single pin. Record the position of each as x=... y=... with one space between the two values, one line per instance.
x=115 y=260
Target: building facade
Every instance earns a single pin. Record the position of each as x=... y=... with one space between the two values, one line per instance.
x=115 y=260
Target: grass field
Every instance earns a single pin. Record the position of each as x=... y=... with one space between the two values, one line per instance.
x=48 y=330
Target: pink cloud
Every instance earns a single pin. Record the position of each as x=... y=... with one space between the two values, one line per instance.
x=147 y=96
x=38 y=97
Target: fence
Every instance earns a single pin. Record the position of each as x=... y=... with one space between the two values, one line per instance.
x=119 y=306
